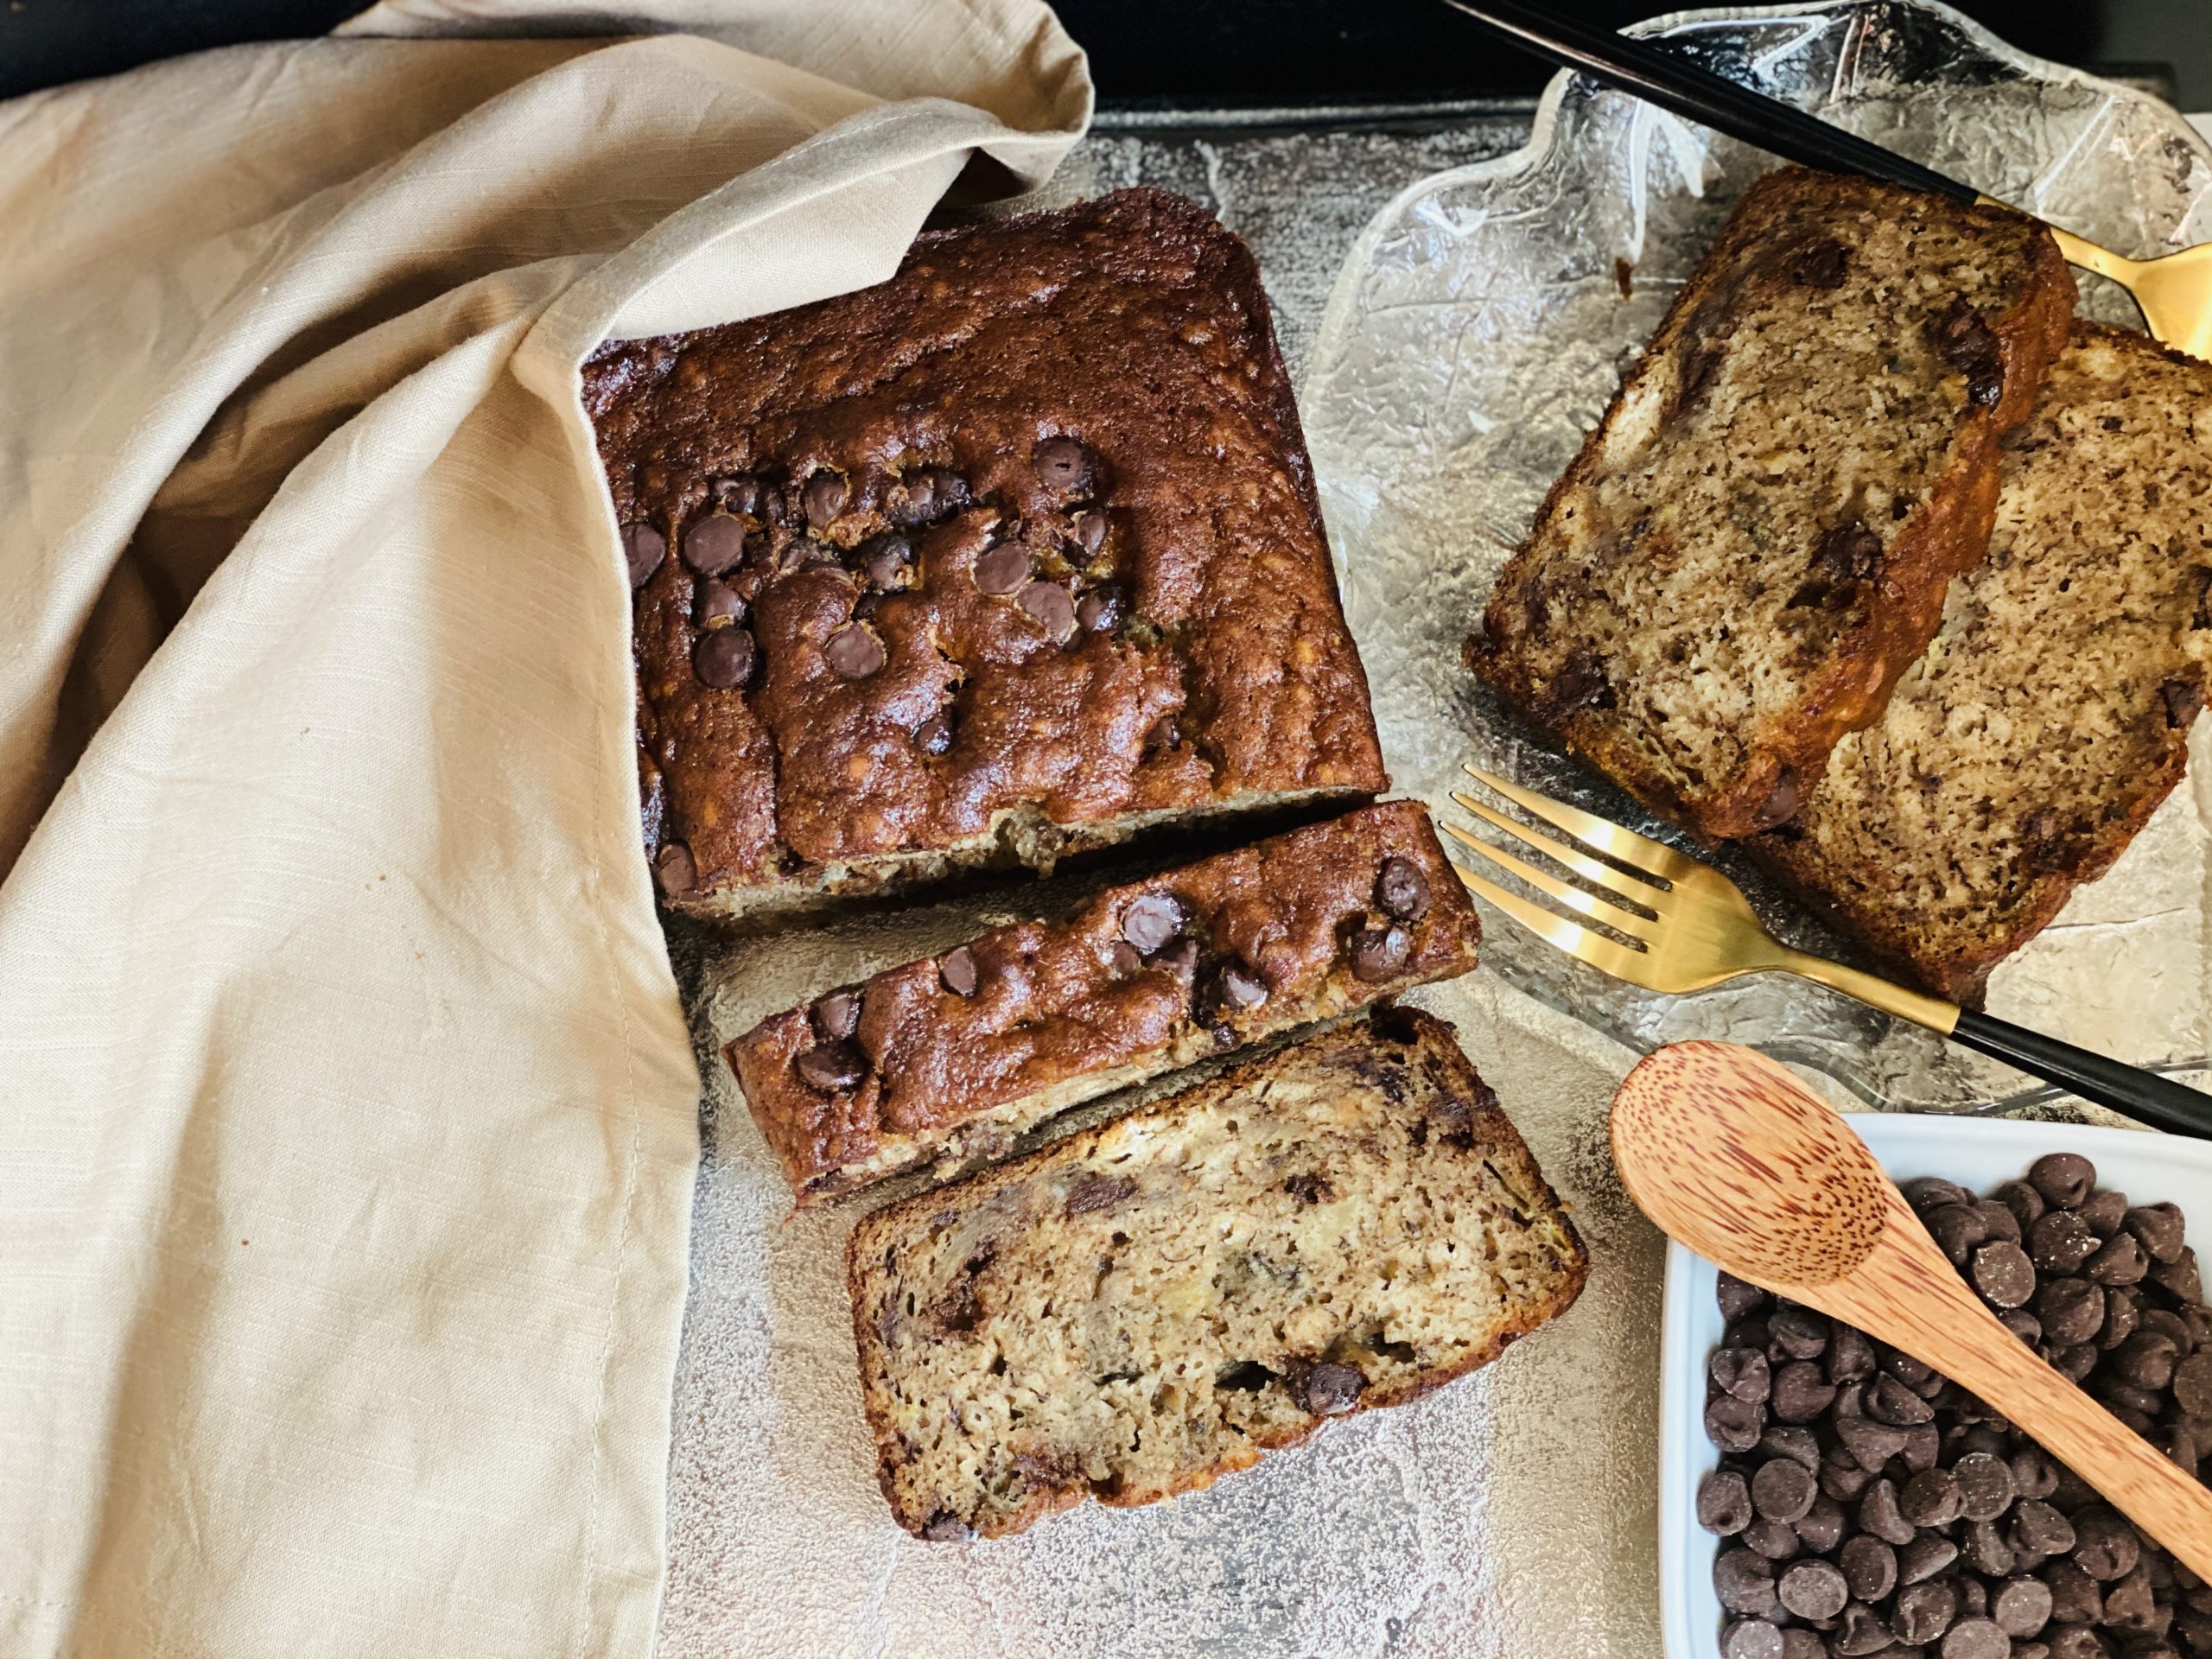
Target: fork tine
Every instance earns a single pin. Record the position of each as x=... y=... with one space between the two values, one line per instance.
x=1590 y=829
x=1613 y=916
x=1642 y=889
x=1605 y=954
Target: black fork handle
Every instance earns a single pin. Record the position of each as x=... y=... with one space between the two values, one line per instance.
x=2147 y=1097
x=1673 y=82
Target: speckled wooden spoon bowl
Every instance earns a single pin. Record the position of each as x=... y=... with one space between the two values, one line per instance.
x=1734 y=1159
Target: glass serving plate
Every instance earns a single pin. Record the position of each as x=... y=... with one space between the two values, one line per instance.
x=1478 y=328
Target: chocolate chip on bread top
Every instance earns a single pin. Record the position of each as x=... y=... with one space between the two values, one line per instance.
x=945 y=1061
x=1015 y=553
x=1755 y=541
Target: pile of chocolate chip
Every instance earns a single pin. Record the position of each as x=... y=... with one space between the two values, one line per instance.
x=1867 y=1506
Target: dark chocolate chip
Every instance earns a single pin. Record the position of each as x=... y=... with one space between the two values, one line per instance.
x=1724 y=1503
x=1849 y=552
x=1002 y=569
x=1738 y=1298
x=1797 y=1333
x=1878 y=1514
x=2071 y=1310
x=1821 y=1527
x=2104 y=1209
x=2021 y=1607
x=716 y=604
x=644 y=548
x=2026 y=1203
x=1379 y=953
x=2119 y=1261
x=1813 y=1590
x=2002 y=1223
x=1821 y=264
x=1236 y=989
x=1871 y=1444
x=2130 y=1605
x=1931 y=1498
x=1783 y=1490
x=1958 y=1229
x=1924 y=1557
x=2034 y=1474
x=2061 y=1242
x=1968 y=345
x=1062 y=464
x=675 y=869
x=2145 y=1360
x=825 y=498
x=1860 y=1632
x=1775 y=1540
x=1152 y=920
x=2183 y=699
x=1924 y=1611
x=946 y=1527
x=2157 y=1228
x=1331 y=1389
x=2105 y=1546
x=2192 y=1385
x=1101 y=610
x=1799 y=1393
x=2179 y=1278
x=1126 y=959
x=1163 y=734
x=2003 y=1273
x=1049 y=603
x=934 y=735
x=2064 y=1179
x=831 y=1068
x=1733 y=1425
x=1401 y=889
x=1743 y=1581
x=1094 y=1194
x=1580 y=683
x=2036 y=1526
x=1927 y=1193
x=1752 y=1638
x=1889 y=1401
x=1090 y=529
x=1986 y=1489
x=837 y=1015
x=1800 y=1445
x=1851 y=1355
x=1976 y=1638
x=886 y=559
x=854 y=652
x=1870 y=1565
x=714 y=544
x=722 y=657
x=2075 y=1598
x=957 y=970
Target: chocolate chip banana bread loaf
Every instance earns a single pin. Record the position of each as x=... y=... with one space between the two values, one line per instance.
x=2050 y=714
x=1754 y=542
x=1014 y=554
x=946 y=1061
x=1141 y=1307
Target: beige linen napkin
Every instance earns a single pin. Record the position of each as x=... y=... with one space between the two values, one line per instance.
x=347 y=1111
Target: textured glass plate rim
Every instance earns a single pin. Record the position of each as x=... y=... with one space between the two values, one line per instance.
x=1976 y=1151
x=1545 y=144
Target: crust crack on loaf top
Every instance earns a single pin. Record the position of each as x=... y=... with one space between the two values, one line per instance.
x=1754 y=543
x=947 y=1060
x=1015 y=553
x=1144 y=1307
x=2019 y=758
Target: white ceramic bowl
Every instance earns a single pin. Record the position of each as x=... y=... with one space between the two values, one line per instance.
x=1977 y=1153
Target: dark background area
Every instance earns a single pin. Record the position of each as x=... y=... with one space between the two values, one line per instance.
x=1188 y=51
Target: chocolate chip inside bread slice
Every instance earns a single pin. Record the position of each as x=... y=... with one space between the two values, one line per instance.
x=1014 y=556
x=1753 y=544
x=1146 y=1306
x=2051 y=716
x=945 y=1061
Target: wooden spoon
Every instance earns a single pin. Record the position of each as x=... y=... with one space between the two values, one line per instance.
x=1737 y=1160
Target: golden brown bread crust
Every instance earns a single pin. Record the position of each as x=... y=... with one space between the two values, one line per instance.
x=1408 y=1061
x=1057 y=1012
x=1880 y=625
x=2051 y=716
x=1095 y=395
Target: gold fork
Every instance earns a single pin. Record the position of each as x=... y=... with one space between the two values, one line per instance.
x=1685 y=927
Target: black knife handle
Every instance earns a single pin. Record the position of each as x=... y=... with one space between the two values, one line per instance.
x=2147 y=1097
x=1666 y=78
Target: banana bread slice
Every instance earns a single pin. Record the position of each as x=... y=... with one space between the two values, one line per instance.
x=947 y=1060
x=1146 y=1306
x=1012 y=555
x=1753 y=544
x=2051 y=716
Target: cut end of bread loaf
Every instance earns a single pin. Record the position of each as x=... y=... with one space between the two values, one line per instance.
x=947 y=1061
x=2051 y=716
x=1753 y=544
x=1144 y=1307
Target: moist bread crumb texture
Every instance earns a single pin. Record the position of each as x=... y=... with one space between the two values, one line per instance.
x=947 y=1060
x=1144 y=1307
x=2050 y=714
x=1015 y=553
x=1754 y=542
